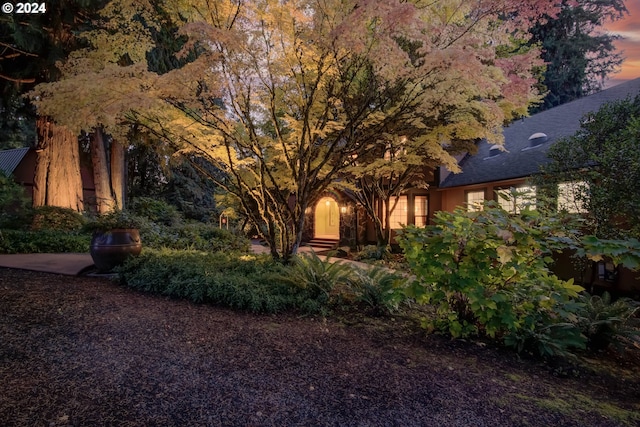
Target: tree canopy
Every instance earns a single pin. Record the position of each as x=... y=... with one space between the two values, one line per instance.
x=604 y=156
x=282 y=96
x=578 y=53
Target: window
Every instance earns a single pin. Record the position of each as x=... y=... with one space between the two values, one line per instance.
x=515 y=199
x=475 y=199
x=421 y=210
x=571 y=196
x=398 y=216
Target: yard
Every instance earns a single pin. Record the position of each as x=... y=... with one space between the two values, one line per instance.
x=82 y=351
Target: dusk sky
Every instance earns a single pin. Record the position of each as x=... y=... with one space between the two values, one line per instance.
x=629 y=28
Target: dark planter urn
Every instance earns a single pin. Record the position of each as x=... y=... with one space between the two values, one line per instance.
x=112 y=248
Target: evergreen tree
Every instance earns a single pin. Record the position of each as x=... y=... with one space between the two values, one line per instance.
x=578 y=54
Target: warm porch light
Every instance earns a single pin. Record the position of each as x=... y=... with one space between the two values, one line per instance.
x=343 y=209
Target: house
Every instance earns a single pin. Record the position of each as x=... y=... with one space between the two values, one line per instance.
x=526 y=142
x=492 y=170
x=21 y=164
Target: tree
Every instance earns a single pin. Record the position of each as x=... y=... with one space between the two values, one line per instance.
x=604 y=156
x=98 y=84
x=578 y=54
x=284 y=95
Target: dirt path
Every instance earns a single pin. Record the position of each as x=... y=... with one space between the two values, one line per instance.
x=78 y=351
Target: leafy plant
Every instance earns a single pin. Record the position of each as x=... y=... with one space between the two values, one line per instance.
x=378 y=287
x=373 y=252
x=605 y=322
x=113 y=220
x=14 y=204
x=56 y=218
x=318 y=278
x=487 y=273
x=42 y=241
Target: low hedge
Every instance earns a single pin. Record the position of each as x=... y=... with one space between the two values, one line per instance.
x=42 y=241
x=231 y=279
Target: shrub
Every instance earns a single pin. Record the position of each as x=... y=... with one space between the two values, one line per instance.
x=374 y=253
x=15 y=208
x=158 y=211
x=234 y=280
x=192 y=236
x=316 y=277
x=56 y=218
x=379 y=288
x=487 y=273
x=605 y=322
x=42 y=241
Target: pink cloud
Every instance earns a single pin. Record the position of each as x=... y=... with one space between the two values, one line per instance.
x=629 y=29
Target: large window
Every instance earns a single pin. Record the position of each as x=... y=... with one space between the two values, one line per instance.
x=398 y=216
x=515 y=199
x=571 y=196
x=474 y=200
x=421 y=210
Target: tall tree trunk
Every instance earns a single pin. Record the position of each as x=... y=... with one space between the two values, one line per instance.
x=105 y=202
x=57 y=180
x=118 y=173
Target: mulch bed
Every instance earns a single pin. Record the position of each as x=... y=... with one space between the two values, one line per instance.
x=83 y=351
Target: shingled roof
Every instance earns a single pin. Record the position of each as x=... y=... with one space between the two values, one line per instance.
x=521 y=160
x=10 y=159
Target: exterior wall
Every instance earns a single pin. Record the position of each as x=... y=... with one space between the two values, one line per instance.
x=451 y=198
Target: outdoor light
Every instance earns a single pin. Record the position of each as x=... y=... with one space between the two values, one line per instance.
x=343 y=209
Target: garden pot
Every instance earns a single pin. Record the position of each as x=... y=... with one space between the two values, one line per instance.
x=112 y=248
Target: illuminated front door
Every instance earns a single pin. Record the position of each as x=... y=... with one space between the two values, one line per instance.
x=327 y=219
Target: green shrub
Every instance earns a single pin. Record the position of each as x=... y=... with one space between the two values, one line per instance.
x=487 y=273
x=318 y=278
x=42 y=241
x=56 y=218
x=192 y=236
x=374 y=253
x=15 y=206
x=234 y=280
x=379 y=288
x=158 y=211
x=605 y=322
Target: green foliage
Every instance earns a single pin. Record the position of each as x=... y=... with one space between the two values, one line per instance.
x=234 y=280
x=318 y=278
x=14 y=203
x=578 y=55
x=155 y=210
x=379 y=288
x=57 y=218
x=113 y=220
x=487 y=273
x=193 y=236
x=42 y=241
x=603 y=154
x=605 y=322
x=374 y=252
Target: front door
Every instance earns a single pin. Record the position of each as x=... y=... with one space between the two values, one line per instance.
x=327 y=219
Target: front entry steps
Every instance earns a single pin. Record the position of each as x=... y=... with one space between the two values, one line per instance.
x=322 y=244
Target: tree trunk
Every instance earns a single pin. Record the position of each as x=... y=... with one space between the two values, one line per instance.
x=105 y=201
x=57 y=180
x=117 y=173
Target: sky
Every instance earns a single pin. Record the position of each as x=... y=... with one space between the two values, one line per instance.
x=629 y=29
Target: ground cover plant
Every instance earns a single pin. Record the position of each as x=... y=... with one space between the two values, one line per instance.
x=258 y=283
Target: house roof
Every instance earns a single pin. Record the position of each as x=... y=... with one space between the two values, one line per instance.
x=10 y=159
x=520 y=159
